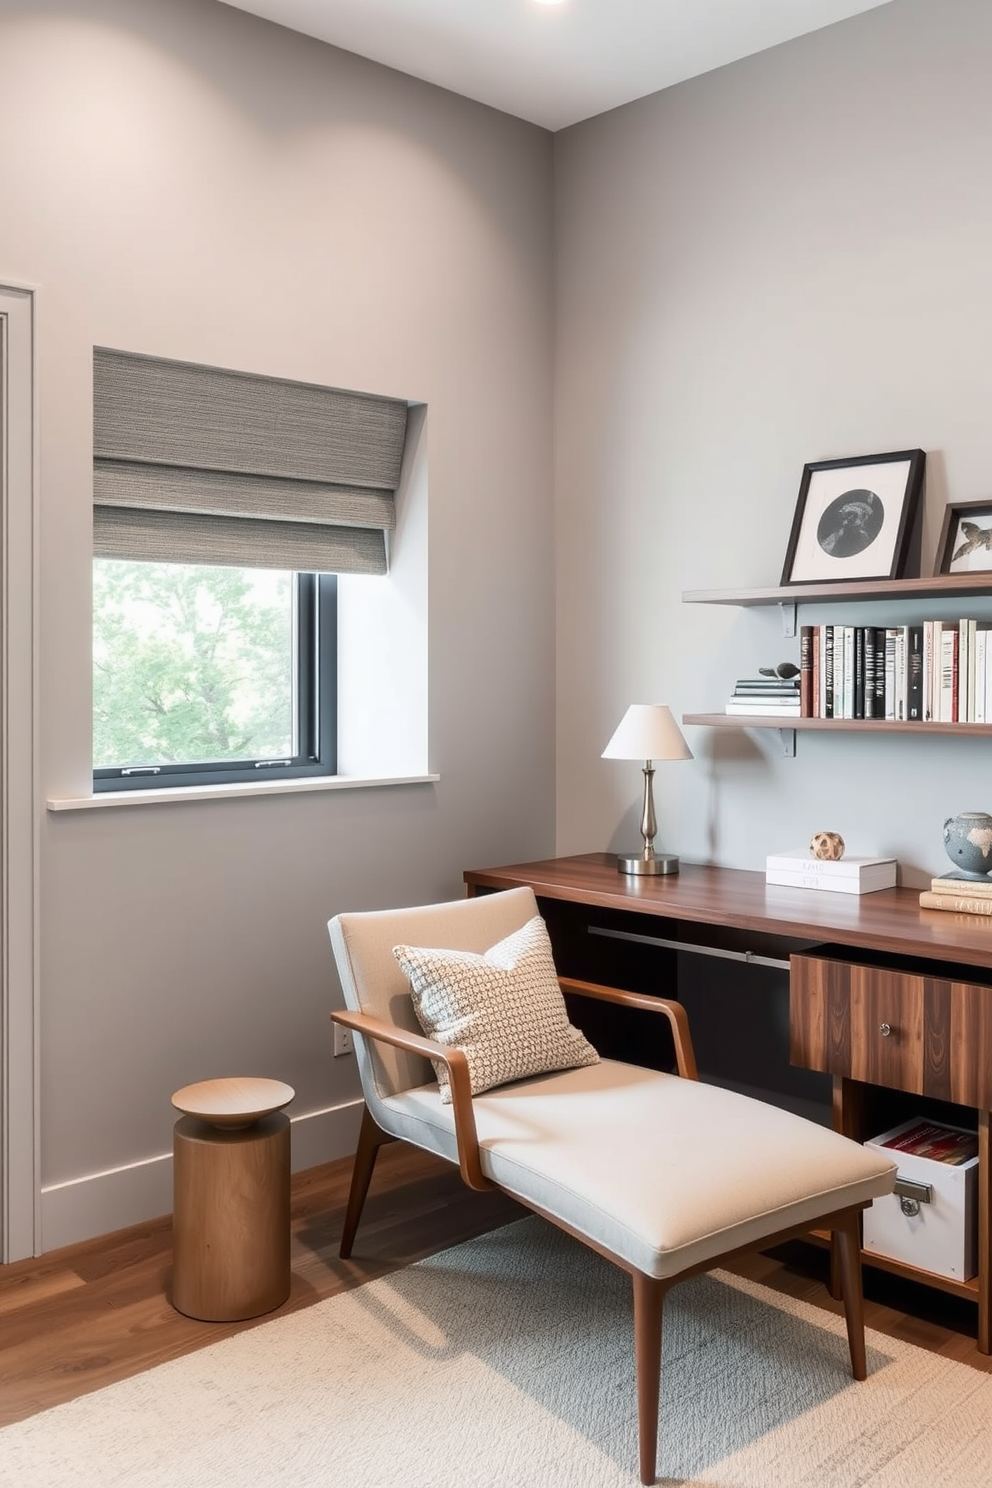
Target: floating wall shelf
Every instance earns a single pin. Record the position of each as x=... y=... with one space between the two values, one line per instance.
x=833 y=725
x=941 y=586
x=790 y=596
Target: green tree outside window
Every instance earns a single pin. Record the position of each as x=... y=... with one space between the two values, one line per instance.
x=191 y=664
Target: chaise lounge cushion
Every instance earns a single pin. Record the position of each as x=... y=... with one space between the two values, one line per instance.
x=502 y=1007
x=623 y=1169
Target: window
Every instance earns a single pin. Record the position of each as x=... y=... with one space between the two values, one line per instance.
x=225 y=504
x=211 y=674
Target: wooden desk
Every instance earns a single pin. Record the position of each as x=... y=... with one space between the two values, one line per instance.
x=859 y=956
x=890 y=920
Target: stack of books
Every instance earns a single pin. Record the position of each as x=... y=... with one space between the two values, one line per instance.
x=797 y=870
x=959 y=894
x=936 y=672
x=764 y=697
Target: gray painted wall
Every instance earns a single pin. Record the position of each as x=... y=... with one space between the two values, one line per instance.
x=783 y=261
x=183 y=179
x=780 y=262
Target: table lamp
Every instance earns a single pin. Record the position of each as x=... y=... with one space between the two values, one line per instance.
x=648 y=732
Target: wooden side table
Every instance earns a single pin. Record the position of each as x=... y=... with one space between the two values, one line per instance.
x=231 y=1154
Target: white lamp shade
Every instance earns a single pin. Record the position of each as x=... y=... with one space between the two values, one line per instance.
x=647 y=731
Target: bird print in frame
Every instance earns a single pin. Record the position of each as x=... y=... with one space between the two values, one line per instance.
x=966 y=540
x=975 y=537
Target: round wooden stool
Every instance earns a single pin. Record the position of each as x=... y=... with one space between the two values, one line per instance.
x=231 y=1199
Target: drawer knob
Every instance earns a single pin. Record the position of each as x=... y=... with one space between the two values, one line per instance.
x=885 y=1029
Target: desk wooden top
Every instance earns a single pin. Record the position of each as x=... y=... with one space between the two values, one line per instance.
x=889 y=920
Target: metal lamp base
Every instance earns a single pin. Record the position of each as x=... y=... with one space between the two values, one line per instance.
x=648 y=866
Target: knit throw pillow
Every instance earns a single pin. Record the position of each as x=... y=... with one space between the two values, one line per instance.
x=503 y=1008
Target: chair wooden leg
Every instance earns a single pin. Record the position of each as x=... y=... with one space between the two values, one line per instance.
x=649 y=1298
x=848 y=1244
x=370 y=1139
x=836 y=1284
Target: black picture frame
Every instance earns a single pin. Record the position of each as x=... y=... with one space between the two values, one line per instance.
x=960 y=550
x=855 y=519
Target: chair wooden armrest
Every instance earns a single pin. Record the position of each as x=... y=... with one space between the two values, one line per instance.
x=685 y=1055
x=459 y=1080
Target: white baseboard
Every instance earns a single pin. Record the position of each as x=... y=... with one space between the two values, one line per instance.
x=111 y=1200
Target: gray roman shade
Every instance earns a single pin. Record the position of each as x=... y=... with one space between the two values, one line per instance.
x=196 y=464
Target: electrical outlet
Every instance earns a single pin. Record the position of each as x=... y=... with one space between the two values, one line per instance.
x=343 y=1043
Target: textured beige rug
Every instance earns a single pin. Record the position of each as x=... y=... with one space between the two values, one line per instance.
x=508 y=1362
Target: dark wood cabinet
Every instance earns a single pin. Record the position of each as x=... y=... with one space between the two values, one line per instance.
x=930 y=1035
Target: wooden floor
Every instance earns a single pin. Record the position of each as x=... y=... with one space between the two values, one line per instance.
x=80 y=1318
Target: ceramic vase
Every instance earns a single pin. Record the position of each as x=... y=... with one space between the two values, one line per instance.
x=968 y=840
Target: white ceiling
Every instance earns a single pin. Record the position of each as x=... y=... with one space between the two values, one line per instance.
x=555 y=64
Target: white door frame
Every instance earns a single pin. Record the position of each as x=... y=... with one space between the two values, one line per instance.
x=20 y=1227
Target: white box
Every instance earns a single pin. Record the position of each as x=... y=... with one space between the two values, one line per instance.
x=841 y=876
x=942 y=1235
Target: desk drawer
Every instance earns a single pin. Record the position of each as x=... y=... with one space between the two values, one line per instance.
x=928 y=1035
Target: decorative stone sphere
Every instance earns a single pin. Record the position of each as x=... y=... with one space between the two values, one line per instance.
x=827 y=845
x=968 y=840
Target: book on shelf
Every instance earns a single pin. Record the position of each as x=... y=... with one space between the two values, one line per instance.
x=973 y=904
x=977 y=674
x=849 y=875
x=914 y=672
x=981 y=674
x=879 y=672
x=828 y=671
x=847 y=674
x=838 y=671
x=871 y=681
x=933 y=671
x=782 y=696
x=948 y=674
x=764 y=687
x=806 y=671
x=961 y=883
x=764 y=707
x=890 y=673
x=858 y=677
x=928 y=671
x=900 y=673
x=966 y=670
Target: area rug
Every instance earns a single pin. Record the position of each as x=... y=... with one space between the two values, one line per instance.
x=509 y=1361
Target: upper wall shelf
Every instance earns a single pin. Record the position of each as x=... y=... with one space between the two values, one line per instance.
x=836 y=725
x=940 y=586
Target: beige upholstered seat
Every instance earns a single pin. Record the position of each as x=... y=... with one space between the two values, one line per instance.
x=663 y=1174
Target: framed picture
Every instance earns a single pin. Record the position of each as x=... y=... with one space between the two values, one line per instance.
x=854 y=518
x=965 y=543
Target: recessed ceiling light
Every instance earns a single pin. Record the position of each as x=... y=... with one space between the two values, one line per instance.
x=548 y=2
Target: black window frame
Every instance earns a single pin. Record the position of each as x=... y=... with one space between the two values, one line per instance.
x=316 y=695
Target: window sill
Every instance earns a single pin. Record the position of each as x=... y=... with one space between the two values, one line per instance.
x=177 y=795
